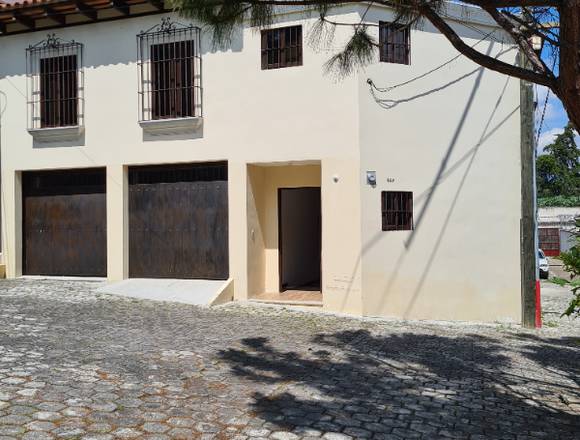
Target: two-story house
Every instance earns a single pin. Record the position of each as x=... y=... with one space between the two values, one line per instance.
x=134 y=148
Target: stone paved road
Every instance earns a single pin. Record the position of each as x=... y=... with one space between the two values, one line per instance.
x=77 y=365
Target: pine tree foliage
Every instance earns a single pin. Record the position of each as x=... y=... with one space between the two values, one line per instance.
x=359 y=50
x=223 y=16
x=554 y=22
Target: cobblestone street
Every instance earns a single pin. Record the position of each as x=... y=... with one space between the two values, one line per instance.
x=80 y=365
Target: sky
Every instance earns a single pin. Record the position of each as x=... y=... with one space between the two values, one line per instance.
x=554 y=121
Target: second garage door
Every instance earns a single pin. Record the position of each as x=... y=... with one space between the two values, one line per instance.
x=178 y=221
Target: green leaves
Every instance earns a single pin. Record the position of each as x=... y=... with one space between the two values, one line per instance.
x=559 y=201
x=221 y=16
x=261 y=15
x=359 y=51
x=571 y=260
x=558 y=171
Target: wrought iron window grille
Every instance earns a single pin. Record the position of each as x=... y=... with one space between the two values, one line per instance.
x=170 y=72
x=55 y=83
x=397 y=210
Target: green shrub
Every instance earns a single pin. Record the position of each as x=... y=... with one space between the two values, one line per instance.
x=559 y=201
x=571 y=260
x=558 y=281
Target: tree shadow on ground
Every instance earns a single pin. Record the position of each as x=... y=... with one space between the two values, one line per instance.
x=408 y=385
x=561 y=356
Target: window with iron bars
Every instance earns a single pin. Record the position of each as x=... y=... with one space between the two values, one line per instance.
x=282 y=47
x=169 y=61
x=55 y=84
x=397 y=210
x=394 y=43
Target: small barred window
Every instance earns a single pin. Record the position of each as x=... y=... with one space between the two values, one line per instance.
x=397 y=210
x=282 y=47
x=394 y=43
x=169 y=72
x=55 y=84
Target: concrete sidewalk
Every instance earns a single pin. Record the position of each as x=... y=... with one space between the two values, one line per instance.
x=195 y=292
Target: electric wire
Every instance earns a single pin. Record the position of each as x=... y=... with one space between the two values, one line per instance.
x=423 y=75
x=539 y=132
x=541 y=125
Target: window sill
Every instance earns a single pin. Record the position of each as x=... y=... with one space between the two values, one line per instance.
x=57 y=134
x=171 y=126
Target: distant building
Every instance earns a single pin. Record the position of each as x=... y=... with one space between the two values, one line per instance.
x=555 y=229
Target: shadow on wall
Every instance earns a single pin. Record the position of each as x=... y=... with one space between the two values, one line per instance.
x=444 y=170
x=407 y=384
x=105 y=48
x=102 y=45
x=76 y=142
x=388 y=103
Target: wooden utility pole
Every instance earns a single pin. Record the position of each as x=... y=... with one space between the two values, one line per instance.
x=528 y=231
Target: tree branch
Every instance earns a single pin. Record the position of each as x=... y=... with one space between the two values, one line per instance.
x=522 y=40
x=535 y=29
x=514 y=3
x=481 y=59
x=481 y=3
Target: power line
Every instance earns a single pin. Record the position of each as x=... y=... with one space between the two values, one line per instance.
x=539 y=133
x=473 y=28
x=423 y=75
x=540 y=127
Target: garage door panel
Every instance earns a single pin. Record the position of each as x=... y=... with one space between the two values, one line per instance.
x=178 y=229
x=64 y=227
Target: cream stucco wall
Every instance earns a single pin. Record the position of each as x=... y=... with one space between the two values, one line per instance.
x=294 y=127
x=453 y=139
x=250 y=116
x=265 y=180
x=257 y=226
x=341 y=268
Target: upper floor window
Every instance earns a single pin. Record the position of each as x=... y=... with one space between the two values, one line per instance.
x=170 y=72
x=55 y=84
x=282 y=47
x=394 y=43
x=397 y=210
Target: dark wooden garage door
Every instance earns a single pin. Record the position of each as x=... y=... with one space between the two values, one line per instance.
x=178 y=221
x=64 y=223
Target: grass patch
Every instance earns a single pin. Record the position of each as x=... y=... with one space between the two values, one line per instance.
x=559 y=281
x=562 y=282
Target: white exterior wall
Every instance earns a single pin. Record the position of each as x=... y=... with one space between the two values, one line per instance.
x=452 y=270
x=453 y=139
x=250 y=116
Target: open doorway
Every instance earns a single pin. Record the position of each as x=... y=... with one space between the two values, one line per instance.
x=299 y=235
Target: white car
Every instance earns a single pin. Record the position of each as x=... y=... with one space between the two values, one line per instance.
x=543 y=264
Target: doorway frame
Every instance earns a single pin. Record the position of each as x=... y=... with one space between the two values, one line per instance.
x=280 y=247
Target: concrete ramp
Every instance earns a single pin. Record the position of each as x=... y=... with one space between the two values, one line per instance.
x=197 y=292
